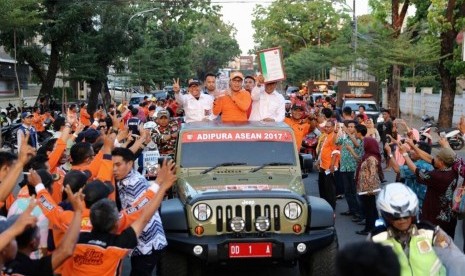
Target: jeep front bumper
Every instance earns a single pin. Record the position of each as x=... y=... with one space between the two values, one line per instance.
x=215 y=249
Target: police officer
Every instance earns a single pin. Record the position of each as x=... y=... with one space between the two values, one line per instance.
x=412 y=241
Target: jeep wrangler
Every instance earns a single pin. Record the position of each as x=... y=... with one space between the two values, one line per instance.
x=240 y=197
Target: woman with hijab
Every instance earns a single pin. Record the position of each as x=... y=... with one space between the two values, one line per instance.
x=369 y=176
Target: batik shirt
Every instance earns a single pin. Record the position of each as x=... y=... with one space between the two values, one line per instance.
x=410 y=179
x=348 y=163
x=130 y=189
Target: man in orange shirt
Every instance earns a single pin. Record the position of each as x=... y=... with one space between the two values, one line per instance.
x=100 y=251
x=301 y=127
x=234 y=104
x=84 y=116
x=328 y=160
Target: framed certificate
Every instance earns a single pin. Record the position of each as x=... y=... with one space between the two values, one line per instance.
x=271 y=64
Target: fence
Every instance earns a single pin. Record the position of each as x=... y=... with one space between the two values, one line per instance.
x=426 y=103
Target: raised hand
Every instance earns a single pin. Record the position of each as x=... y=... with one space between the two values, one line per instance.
x=176 y=86
x=75 y=199
x=33 y=178
x=26 y=219
x=26 y=152
x=166 y=175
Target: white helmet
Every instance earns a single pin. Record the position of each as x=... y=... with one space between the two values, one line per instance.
x=397 y=200
x=150 y=125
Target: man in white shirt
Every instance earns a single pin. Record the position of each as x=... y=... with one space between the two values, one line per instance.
x=197 y=106
x=267 y=104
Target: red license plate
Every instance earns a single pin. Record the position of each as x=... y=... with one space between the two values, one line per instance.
x=250 y=250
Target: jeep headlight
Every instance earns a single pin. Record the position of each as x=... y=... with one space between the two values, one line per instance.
x=292 y=210
x=202 y=212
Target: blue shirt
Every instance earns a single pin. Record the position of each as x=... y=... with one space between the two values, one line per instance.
x=411 y=179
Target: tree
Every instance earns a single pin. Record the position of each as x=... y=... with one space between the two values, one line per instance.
x=447 y=18
x=214 y=45
x=182 y=41
x=17 y=16
x=296 y=24
x=315 y=61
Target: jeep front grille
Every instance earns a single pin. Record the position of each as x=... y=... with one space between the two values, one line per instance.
x=249 y=213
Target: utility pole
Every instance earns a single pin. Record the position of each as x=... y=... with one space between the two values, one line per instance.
x=354 y=18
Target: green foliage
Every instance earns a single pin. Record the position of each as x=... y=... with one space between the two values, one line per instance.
x=315 y=62
x=213 y=46
x=187 y=42
x=295 y=24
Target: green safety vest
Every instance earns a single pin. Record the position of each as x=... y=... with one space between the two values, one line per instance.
x=421 y=259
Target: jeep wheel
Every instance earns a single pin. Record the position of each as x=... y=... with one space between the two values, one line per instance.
x=173 y=263
x=321 y=262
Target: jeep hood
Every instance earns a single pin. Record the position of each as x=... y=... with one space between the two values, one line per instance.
x=195 y=185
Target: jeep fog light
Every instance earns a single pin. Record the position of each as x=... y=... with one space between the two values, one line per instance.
x=202 y=212
x=262 y=223
x=197 y=250
x=237 y=224
x=292 y=210
x=301 y=248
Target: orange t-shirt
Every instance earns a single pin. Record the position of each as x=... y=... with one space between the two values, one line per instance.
x=300 y=130
x=99 y=254
x=38 y=122
x=233 y=108
x=85 y=117
x=327 y=149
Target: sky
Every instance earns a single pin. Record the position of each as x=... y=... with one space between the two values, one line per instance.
x=239 y=13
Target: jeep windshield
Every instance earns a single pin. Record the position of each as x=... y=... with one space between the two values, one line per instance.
x=253 y=147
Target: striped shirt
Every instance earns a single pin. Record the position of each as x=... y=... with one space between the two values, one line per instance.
x=130 y=189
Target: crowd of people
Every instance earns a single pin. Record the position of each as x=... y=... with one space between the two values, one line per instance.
x=82 y=206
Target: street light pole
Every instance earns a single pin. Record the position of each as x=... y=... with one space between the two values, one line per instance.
x=303 y=39
x=140 y=13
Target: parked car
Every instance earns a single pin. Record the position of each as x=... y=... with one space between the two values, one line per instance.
x=291 y=89
x=160 y=94
x=137 y=99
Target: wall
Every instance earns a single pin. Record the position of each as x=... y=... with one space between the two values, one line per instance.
x=425 y=103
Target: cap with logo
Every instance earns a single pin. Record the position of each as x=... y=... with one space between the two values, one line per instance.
x=236 y=74
x=26 y=115
x=163 y=113
x=193 y=82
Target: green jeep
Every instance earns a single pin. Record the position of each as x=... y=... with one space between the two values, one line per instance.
x=240 y=198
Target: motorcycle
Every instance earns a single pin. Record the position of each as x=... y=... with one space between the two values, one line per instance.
x=309 y=144
x=9 y=137
x=453 y=135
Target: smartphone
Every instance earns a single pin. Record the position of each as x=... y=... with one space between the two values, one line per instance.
x=161 y=159
x=442 y=134
x=135 y=135
x=388 y=140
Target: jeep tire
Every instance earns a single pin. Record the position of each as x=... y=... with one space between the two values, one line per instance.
x=321 y=262
x=174 y=263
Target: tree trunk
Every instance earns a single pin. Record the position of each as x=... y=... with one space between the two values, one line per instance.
x=448 y=80
x=394 y=91
x=398 y=14
x=49 y=82
x=95 y=88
